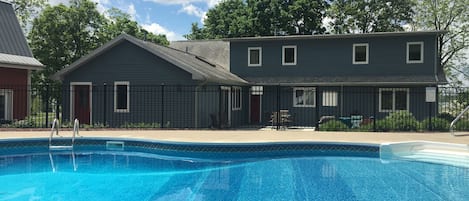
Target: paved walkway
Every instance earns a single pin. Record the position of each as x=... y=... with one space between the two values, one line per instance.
x=253 y=136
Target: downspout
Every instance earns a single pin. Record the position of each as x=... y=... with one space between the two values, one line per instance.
x=28 y=93
x=341 y=100
x=436 y=64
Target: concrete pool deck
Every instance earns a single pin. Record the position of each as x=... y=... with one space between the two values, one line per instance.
x=252 y=136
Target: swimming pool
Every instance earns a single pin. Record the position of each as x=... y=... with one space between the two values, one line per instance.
x=124 y=169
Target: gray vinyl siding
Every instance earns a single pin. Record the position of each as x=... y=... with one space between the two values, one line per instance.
x=208 y=104
x=350 y=100
x=147 y=75
x=333 y=57
x=241 y=117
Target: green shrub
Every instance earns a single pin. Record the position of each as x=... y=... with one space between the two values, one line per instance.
x=446 y=116
x=140 y=125
x=437 y=124
x=333 y=125
x=383 y=125
x=462 y=125
x=398 y=121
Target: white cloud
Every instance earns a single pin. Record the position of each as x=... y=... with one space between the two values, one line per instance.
x=190 y=9
x=57 y=2
x=326 y=22
x=210 y=3
x=158 y=29
x=131 y=11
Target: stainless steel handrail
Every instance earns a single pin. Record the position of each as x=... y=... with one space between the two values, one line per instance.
x=76 y=130
x=453 y=123
x=55 y=127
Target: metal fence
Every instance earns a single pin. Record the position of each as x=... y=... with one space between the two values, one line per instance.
x=123 y=105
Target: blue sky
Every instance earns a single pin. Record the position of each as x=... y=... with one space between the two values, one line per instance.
x=170 y=17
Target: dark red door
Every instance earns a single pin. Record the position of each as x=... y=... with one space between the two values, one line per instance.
x=255 y=109
x=82 y=103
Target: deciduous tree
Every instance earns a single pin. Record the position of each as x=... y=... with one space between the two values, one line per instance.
x=364 y=16
x=26 y=9
x=451 y=16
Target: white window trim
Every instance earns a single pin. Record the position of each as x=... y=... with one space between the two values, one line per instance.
x=235 y=96
x=421 y=53
x=260 y=56
x=283 y=55
x=115 y=96
x=393 y=99
x=8 y=94
x=304 y=89
x=367 y=53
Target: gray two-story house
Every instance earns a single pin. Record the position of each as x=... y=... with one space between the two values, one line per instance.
x=193 y=84
x=314 y=76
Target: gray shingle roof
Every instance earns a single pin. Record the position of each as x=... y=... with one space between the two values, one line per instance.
x=336 y=36
x=15 y=61
x=200 y=68
x=12 y=40
x=217 y=51
x=348 y=80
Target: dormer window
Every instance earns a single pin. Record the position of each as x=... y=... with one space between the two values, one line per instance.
x=254 y=56
x=289 y=55
x=414 y=52
x=360 y=53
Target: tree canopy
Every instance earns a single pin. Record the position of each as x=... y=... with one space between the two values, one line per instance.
x=364 y=16
x=238 y=18
x=26 y=9
x=451 y=16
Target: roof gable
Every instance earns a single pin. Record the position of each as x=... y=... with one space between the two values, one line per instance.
x=198 y=67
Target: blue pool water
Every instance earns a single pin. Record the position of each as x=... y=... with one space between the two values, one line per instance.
x=99 y=174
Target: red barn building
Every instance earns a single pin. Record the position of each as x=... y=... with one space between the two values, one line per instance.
x=16 y=64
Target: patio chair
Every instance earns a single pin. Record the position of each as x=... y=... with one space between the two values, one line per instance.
x=356 y=120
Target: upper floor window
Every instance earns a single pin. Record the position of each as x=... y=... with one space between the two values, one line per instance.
x=121 y=96
x=236 y=98
x=254 y=56
x=360 y=53
x=289 y=55
x=415 y=52
x=393 y=99
x=304 y=97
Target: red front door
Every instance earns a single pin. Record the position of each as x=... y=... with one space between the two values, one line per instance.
x=81 y=102
x=255 y=109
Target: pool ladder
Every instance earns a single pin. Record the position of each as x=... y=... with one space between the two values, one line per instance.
x=55 y=129
x=453 y=123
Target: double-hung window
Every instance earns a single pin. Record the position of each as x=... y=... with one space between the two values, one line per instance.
x=360 y=53
x=255 y=56
x=121 y=96
x=393 y=99
x=414 y=52
x=289 y=55
x=236 y=98
x=304 y=97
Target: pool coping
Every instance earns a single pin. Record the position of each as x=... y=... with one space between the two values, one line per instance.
x=253 y=136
